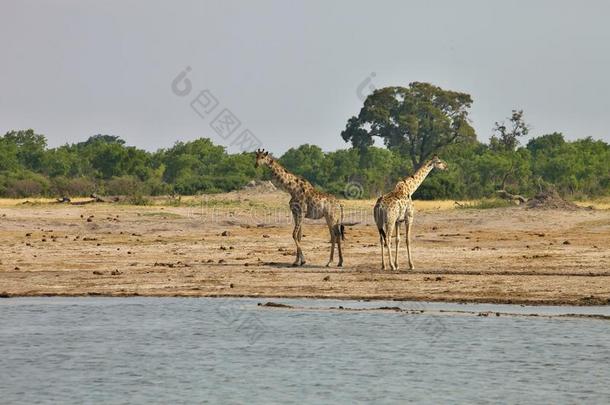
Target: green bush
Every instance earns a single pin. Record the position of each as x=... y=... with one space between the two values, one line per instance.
x=124 y=185
x=104 y=164
x=72 y=187
x=24 y=184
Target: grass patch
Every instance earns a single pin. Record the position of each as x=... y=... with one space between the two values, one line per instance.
x=139 y=199
x=221 y=203
x=486 y=204
x=212 y=203
x=160 y=214
x=600 y=203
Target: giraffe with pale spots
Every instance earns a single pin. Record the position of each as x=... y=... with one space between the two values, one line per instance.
x=397 y=206
x=307 y=202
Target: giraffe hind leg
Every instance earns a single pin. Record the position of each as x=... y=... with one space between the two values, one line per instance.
x=335 y=237
x=332 y=249
x=382 y=243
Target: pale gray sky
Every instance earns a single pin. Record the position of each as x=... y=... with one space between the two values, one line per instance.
x=289 y=70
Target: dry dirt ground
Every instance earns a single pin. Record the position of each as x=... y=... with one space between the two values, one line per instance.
x=239 y=244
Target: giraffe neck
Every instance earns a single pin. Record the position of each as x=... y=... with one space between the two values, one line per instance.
x=288 y=181
x=408 y=185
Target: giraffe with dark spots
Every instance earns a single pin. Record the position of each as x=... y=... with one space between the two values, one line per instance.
x=397 y=206
x=307 y=202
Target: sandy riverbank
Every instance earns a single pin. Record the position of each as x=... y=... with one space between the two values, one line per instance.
x=502 y=255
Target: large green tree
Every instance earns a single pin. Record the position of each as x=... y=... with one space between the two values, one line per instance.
x=417 y=121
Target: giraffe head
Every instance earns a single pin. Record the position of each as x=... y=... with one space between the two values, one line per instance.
x=437 y=163
x=262 y=158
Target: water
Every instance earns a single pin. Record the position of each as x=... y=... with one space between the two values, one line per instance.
x=181 y=350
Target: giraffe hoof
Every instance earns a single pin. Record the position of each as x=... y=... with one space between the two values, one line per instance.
x=339 y=264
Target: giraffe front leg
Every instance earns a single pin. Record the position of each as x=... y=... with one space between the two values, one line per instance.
x=390 y=230
x=296 y=236
x=397 y=245
x=302 y=257
x=299 y=260
x=408 y=226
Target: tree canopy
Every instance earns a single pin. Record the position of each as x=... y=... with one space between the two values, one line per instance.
x=108 y=165
x=416 y=121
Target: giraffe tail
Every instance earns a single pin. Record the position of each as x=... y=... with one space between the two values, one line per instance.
x=341 y=224
x=380 y=220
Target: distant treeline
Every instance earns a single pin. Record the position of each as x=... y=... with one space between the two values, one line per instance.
x=104 y=164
